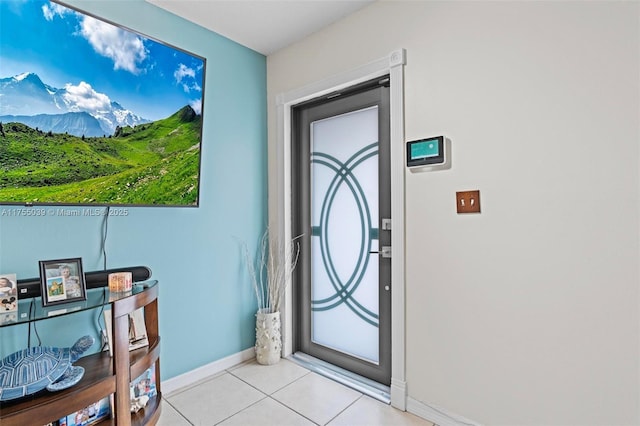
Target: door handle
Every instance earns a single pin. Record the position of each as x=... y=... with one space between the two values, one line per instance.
x=384 y=252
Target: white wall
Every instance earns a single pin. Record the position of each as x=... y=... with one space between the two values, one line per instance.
x=528 y=313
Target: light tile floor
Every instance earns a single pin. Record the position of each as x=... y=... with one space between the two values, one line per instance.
x=277 y=395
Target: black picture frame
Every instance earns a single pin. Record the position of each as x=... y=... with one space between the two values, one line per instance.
x=62 y=281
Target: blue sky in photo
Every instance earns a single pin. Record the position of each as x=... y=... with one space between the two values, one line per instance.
x=95 y=59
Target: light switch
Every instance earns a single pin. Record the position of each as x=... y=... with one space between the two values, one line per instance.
x=468 y=201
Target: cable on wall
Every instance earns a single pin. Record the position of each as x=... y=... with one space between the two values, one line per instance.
x=103 y=249
x=29 y=327
x=101 y=331
x=32 y=311
x=35 y=330
x=103 y=242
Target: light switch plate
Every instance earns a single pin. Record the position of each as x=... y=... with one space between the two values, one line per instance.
x=468 y=201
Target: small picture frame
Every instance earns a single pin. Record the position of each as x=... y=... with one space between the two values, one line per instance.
x=137 y=330
x=8 y=294
x=62 y=281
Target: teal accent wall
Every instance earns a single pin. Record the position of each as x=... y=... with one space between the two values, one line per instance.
x=206 y=302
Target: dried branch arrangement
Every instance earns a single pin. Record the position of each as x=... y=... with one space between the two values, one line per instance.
x=271 y=271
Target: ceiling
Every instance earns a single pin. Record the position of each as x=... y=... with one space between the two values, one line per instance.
x=265 y=26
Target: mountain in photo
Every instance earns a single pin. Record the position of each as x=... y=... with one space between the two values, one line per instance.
x=25 y=97
x=73 y=123
x=156 y=163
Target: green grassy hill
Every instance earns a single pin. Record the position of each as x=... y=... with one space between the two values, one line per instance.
x=153 y=163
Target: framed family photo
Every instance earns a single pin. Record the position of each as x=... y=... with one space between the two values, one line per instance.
x=62 y=281
x=8 y=294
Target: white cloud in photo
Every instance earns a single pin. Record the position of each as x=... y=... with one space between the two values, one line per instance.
x=125 y=49
x=52 y=9
x=182 y=72
x=86 y=98
x=197 y=106
x=186 y=77
x=193 y=87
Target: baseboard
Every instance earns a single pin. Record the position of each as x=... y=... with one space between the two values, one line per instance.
x=192 y=377
x=437 y=415
x=399 y=394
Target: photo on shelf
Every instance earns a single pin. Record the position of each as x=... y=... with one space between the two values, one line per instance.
x=89 y=415
x=145 y=384
x=8 y=294
x=137 y=330
x=62 y=281
x=8 y=318
x=143 y=388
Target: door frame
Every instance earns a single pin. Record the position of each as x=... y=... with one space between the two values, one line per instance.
x=280 y=208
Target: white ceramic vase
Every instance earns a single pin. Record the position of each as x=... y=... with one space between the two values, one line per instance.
x=268 y=338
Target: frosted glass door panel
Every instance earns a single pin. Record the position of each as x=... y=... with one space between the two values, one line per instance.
x=344 y=218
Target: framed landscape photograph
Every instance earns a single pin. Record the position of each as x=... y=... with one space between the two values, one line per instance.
x=62 y=281
x=94 y=113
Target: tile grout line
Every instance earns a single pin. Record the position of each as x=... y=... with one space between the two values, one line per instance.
x=293 y=410
x=200 y=382
x=211 y=378
x=230 y=372
x=270 y=395
x=264 y=396
x=245 y=408
x=165 y=401
x=277 y=390
x=312 y=421
x=344 y=409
